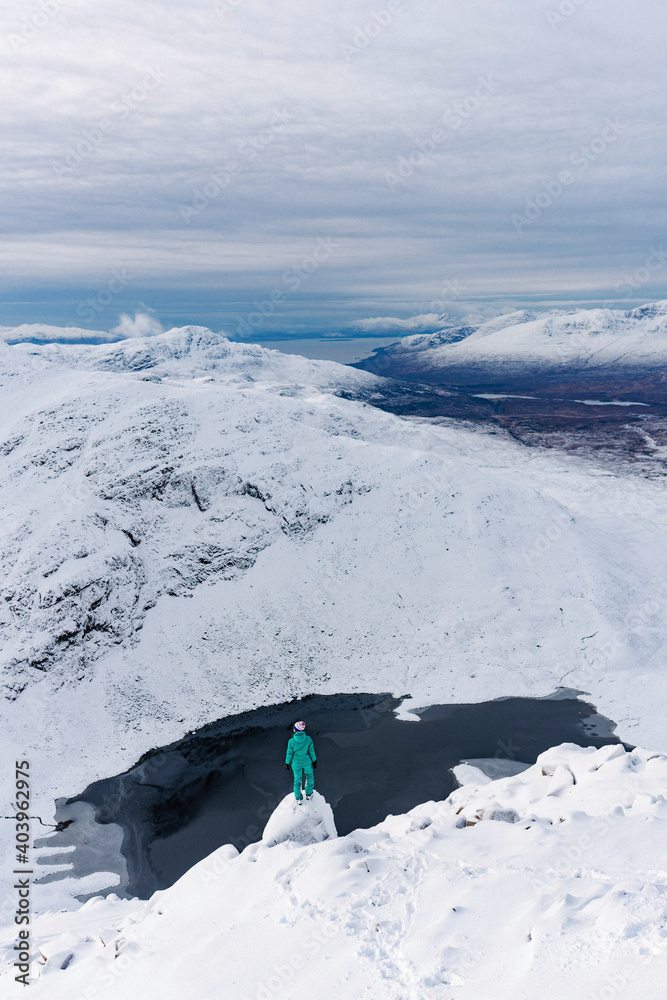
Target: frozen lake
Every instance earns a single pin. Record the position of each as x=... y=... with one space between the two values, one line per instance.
x=220 y=784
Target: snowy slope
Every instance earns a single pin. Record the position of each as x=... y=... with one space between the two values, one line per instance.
x=430 y=341
x=548 y=884
x=88 y=573
x=191 y=528
x=590 y=339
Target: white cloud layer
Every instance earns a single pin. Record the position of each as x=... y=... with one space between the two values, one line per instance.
x=391 y=324
x=210 y=145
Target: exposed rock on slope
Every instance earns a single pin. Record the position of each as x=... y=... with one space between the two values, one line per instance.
x=122 y=490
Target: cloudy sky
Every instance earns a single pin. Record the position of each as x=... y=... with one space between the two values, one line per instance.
x=311 y=167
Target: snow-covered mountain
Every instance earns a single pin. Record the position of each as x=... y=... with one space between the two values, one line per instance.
x=96 y=571
x=548 y=884
x=40 y=333
x=191 y=528
x=587 y=339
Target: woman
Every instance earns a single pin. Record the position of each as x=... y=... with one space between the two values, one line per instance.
x=302 y=758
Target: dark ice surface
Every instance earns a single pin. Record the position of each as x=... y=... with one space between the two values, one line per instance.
x=220 y=784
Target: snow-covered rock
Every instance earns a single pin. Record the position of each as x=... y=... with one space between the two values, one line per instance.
x=567 y=778
x=507 y=890
x=307 y=822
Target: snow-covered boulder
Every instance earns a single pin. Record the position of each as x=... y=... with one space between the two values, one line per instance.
x=563 y=781
x=307 y=822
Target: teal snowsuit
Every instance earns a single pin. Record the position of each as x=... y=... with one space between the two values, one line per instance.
x=301 y=754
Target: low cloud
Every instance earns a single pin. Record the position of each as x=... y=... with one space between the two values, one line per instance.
x=40 y=333
x=143 y=325
x=426 y=323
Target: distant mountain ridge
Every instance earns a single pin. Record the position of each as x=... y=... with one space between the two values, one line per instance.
x=581 y=340
x=44 y=333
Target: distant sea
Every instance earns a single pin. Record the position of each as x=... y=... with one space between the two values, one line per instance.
x=342 y=350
